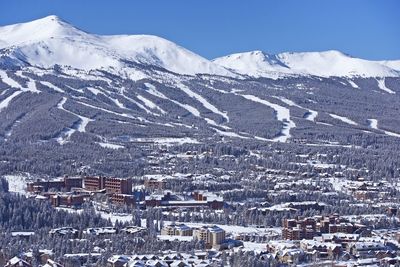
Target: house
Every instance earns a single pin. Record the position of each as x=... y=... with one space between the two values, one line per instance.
x=51 y=263
x=326 y=250
x=100 y=231
x=134 y=230
x=17 y=262
x=64 y=231
x=365 y=249
x=118 y=261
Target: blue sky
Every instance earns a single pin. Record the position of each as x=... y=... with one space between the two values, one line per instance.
x=362 y=28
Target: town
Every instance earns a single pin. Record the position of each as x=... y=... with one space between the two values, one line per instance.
x=327 y=216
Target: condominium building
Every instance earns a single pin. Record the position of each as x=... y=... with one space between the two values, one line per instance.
x=211 y=235
x=177 y=229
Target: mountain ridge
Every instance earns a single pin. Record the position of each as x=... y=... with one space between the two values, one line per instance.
x=50 y=40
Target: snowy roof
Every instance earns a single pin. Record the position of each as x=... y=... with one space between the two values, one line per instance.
x=119 y=258
x=101 y=230
x=27 y=233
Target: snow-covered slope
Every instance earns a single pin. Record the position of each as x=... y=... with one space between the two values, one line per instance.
x=255 y=63
x=50 y=40
x=324 y=64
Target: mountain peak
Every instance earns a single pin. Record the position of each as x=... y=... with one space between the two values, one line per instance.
x=50 y=40
x=40 y=29
x=325 y=64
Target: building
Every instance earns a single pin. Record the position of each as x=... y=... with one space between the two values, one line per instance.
x=59 y=184
x=155 y=183
x=17 y=262
x=177 y=229
x=94 y=183
x=100 y=231
x=196 y=200
x=299 y=229
x=72 y=182
x=122 y=199
x=111 y=185
x=308 y=228
x=40 y=186
x=118 y=186
x=211 y=235
x=67 y=200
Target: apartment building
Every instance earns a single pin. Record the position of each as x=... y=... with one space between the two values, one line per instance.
x=177 y=229
x=211 y=235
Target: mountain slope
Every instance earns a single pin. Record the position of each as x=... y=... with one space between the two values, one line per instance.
x=112 y=97
x=324 y=64
x=49 y=41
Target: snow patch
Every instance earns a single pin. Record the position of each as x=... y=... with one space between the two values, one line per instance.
x=203 y=101
x=282 y=114
x=4 y=104
x=343 y=119
x=109 y=145
x=353 y=84
x=148 y=103
x=52 y=86
x=382 y=86
x=312 y=114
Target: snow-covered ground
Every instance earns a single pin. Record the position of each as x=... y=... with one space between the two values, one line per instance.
x=52 y=86
x=150 y=104
x=282 y=114
x=373 y=123
x=109 y=145
x=312 y=114
x=17 y=182
x=203 y=101
x=7 y=100
x=50 y=40
x=353 y=84
x=230 y=134
x=343 y=119
x=324 y=64
x=80 y=127
x=382 y=86
x=7 y=80
x=167 y=140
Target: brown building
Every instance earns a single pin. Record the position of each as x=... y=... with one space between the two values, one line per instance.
x=307 y=228
x=111 y=185
x=72 y=182
x=122 y=199
x=66 y=184
x=40 y=186
x=155 y=184
x=118 y=186
x=67 y=200
x=94 y=183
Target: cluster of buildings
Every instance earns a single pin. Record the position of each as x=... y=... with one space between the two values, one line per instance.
x=98 y=231
x=308 y=228
x=368 y=191
x=193 y=200
x=211 y=235
x=74 y=191
x=198 y=258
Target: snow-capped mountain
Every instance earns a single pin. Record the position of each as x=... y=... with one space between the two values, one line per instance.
x=324 y=64
x=50 y=40
x=65 y=93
